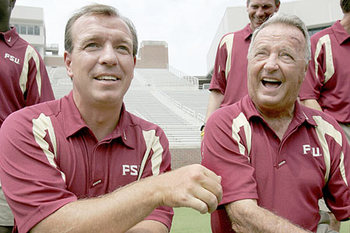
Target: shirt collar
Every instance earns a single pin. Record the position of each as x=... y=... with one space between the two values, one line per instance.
x=247 y=32
x=301 y=113
x=74 y=123
x=10 y=37
x=339 y=32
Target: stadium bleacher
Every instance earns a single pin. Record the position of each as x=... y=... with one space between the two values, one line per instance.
x=159 y=96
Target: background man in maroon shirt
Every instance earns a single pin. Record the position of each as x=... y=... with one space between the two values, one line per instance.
x=20 y=69
x=326 y=86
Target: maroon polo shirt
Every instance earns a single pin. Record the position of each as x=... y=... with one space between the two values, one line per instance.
x=328 y=76
x=50 y=157
x=23 y=76
x=286 y=176
x=230 y=69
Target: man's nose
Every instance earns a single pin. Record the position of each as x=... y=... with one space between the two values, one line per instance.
x=271 y=63
x=260 y=12
x=108 y=55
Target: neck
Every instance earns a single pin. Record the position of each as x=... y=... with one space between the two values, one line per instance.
x=279 y=122
x=101 y=120
x=345 y=22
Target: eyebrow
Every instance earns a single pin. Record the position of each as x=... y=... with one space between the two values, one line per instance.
x=90 y=38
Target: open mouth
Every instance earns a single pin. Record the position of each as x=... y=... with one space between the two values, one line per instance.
x=271 y=83
x=107 y=78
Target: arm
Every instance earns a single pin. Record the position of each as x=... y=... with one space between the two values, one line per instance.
x=38 y=86
x=148 y=226
x=312 y=103
x=191 y=186
x=215 y=99
x=218 y=79
x=247 y=216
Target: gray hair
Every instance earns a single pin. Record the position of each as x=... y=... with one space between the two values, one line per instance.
x=97 y=9
x=290 y=20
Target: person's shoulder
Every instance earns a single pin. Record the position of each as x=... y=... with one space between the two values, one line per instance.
x=322 y=33
x=31 y=112
x=24 y=117
x=143 y=124
x=316 y=114
x=226 y=37
x=228 y=113
x=230 y=35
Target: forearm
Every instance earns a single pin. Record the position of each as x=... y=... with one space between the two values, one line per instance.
x=214 y=102
x=190 y=186
x=148 y=226
x=114 y=212
x=247 y=216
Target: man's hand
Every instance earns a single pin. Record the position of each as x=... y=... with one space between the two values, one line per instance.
x=191 y=186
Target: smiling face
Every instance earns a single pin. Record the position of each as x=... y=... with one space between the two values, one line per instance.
x=276 y=68
x=101 y=63
x=259 y=11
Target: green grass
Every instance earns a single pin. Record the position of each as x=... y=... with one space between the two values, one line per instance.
x=187 y=220
x=345 y=227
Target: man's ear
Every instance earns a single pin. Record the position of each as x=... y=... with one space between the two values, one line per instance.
x=68 y=63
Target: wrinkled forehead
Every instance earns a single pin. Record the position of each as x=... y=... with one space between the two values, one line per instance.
x=101 y=22
x=280 y=31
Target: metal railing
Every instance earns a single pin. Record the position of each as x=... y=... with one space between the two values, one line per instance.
x=193 y=81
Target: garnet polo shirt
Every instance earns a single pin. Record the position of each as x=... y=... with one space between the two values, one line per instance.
x=286 y=176
x=230 y=69
x=23 y=77
x=328 y=76
x=49 y=157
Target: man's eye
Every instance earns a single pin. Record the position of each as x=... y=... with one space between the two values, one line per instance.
x=123 y=48
x=91 y=45
x=260 y=54
x=286 y=56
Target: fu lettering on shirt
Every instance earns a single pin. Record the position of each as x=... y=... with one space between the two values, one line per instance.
x=315 y=151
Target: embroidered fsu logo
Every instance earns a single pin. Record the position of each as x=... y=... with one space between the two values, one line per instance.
x=11 y=58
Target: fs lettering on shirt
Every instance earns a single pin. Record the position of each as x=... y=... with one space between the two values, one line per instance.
x=11 y=58
x=315 y=151
x=131 y=170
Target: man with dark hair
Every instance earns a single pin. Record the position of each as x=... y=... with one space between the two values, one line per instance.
x=276 y=157
x=229 y=81
x=85 y=164
x=23 y=82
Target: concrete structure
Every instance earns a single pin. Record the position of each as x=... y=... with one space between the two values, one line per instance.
x=29 y=22
x=153 y=54
x=317 y=14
